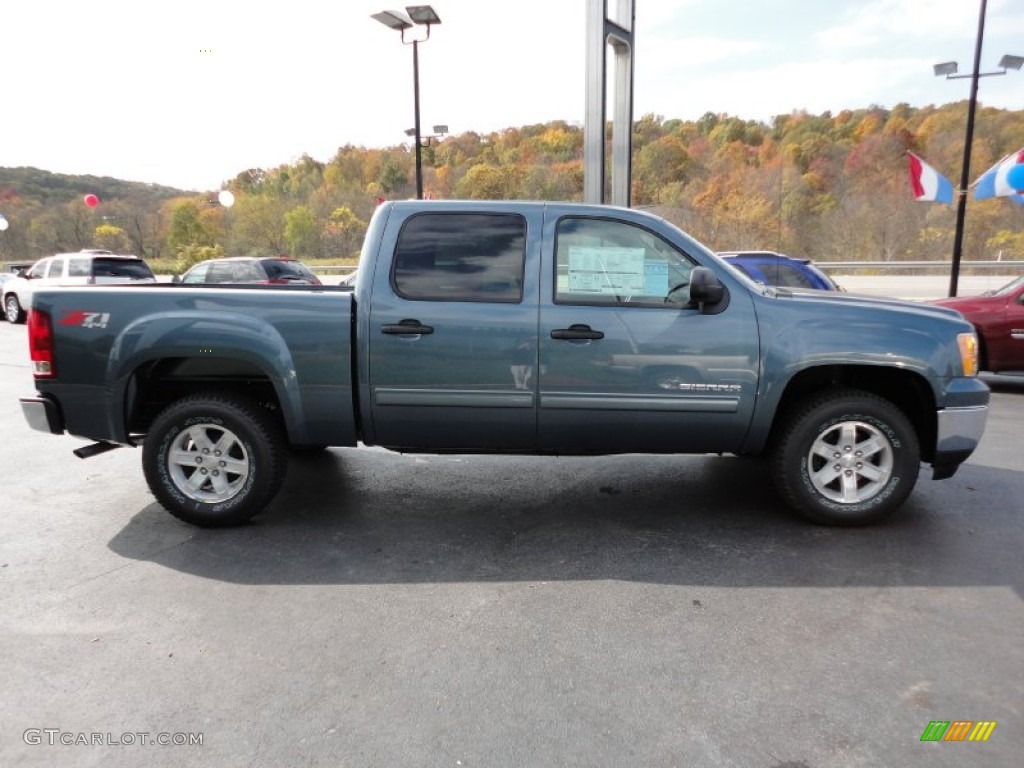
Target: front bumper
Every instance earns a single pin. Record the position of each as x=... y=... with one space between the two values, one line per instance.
x=42 y=414
x=959 y=432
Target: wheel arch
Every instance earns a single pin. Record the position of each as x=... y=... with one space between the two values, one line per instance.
x=156 y=383
x=907 y=390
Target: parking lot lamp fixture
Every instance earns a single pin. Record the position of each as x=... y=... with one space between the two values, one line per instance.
x=418 y=15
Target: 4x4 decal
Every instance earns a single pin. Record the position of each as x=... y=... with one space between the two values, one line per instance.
x=84 y=318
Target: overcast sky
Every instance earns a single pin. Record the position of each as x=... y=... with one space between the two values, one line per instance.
x=190 y=92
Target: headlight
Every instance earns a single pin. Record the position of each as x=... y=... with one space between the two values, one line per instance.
x=968 y=343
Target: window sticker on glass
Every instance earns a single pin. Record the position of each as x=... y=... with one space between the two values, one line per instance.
x=656 y=278
x=607 y=271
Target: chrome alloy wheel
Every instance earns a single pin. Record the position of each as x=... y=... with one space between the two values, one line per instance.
x=850 y=462
x=208 y=463
x=12 y=309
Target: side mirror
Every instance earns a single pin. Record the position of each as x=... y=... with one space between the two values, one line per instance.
x=707 y=291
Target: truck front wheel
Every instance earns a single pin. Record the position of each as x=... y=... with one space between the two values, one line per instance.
x=847 y=458
x=214 y=460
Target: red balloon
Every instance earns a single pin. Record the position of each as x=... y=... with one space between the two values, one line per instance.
x=91 y=200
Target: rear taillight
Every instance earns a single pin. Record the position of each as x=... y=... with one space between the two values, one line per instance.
x=40 y=344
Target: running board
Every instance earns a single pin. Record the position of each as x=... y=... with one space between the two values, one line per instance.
x=88 y=451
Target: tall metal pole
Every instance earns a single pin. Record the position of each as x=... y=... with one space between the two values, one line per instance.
x=416 y=99
x=965 y=176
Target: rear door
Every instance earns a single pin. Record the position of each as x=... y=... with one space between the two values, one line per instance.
x=452 y=332
x=626 y=363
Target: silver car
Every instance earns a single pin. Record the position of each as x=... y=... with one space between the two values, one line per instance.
x=86 y=267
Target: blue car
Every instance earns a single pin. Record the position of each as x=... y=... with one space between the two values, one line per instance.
x=779 y=270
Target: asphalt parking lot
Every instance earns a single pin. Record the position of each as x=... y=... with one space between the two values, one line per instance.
x=394 y=610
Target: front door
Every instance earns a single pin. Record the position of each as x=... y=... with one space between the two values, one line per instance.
x=626 y=364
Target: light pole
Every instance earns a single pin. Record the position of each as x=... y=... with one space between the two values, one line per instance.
x=949 y=69
x=418 y=14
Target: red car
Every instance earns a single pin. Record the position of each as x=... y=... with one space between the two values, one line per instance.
x=998 y=317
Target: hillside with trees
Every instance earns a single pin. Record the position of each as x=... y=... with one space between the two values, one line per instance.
x=828 y=186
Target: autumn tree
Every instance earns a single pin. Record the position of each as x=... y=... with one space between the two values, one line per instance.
x=344 y=232
x=258 y=226
x=110 y=238
x=186 y=227
x=830 y=186
x=301 y=232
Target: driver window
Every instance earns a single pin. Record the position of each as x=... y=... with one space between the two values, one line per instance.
x=38 y=270
x=614 y=263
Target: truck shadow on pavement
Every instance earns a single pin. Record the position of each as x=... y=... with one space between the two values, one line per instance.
x=372 y=517
x=1008 y=383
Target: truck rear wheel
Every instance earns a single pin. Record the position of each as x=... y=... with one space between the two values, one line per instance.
x=846 y=458
x=214 y=460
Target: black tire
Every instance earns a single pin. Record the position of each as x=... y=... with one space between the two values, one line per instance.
x=12 y=309
x=250 y=469
x=847 y=487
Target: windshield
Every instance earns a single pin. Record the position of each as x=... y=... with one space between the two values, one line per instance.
x=287 y=270
x=133 y=269
x=1010 y=287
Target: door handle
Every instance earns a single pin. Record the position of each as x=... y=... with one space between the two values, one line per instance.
x=406 y=328
x=576 y=332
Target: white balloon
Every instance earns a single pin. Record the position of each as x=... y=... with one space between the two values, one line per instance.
x=226 y=198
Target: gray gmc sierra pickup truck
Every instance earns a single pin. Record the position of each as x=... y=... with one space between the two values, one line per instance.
x=511 y=327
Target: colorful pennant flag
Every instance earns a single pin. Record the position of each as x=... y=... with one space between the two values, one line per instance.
x=927 y=183
x=996 y=182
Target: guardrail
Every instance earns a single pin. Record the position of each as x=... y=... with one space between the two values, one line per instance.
x=346 y=269
x=1010 y=267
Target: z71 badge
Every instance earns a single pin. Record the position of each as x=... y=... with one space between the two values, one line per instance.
x=85 y=319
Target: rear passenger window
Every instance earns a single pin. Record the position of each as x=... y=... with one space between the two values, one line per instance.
x=131 y=269
x=461 y=257
x=78 y=267
x=247 y=272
